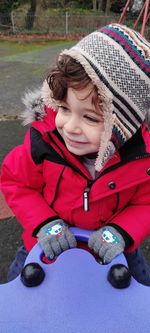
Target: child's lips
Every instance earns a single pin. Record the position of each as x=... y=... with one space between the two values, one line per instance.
x=73 y=142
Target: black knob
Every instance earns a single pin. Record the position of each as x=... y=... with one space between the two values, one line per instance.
x=148 y=171
x=112 y=185
x=32 y=274
x=119 y=276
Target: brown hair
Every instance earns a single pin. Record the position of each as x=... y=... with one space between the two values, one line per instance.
x=67 y=73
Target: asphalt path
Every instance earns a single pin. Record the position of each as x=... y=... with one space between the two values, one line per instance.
x=20 y=72
x=23 y=71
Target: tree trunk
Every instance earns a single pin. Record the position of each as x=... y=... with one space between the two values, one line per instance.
x=107 y=7
x=103 y=5
x=5 y=20
x=100 y=5
x=94 y=5
x=31 y=15
x=5 y=14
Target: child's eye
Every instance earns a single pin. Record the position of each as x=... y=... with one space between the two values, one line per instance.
x=63 y=108
x=91 y=119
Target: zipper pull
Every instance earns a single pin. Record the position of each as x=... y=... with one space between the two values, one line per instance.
x=86 y=199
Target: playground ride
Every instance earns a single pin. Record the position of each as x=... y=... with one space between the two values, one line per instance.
x=74 y=295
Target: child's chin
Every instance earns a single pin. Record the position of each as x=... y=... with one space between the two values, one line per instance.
x=76 y=151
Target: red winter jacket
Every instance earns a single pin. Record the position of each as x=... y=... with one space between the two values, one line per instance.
x=42 y=180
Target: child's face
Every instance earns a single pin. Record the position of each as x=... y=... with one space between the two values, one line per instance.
x=80 y=122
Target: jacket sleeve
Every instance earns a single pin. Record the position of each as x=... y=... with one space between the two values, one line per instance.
x=22 y=184
x=135 y=218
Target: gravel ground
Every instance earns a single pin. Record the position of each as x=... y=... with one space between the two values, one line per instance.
x=20 y=72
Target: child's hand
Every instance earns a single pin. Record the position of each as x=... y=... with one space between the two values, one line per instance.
x=55 y=237
x=107 y=243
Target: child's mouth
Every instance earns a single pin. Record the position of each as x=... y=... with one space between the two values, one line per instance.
x=73 y=142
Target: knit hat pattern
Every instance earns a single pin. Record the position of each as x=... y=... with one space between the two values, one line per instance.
x=117 y=60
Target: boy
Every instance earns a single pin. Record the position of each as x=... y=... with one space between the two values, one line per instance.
x=85 y=160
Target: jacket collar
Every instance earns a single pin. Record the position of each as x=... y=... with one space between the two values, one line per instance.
x=135 y=148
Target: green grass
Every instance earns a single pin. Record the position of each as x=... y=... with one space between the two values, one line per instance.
x=12 y=48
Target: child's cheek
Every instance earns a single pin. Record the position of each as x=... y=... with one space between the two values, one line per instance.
x=58 y=121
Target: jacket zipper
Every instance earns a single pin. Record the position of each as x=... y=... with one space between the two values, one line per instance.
x=86 y=196
x=86 y=199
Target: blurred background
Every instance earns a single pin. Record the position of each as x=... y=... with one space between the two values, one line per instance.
x=61 y=18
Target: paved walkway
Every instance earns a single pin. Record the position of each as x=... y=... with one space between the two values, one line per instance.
x=22 y=71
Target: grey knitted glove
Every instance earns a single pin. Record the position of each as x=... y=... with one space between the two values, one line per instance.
x=55 y=237
x=107 y=243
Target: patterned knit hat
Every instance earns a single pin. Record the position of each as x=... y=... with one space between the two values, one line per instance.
x=117 y=60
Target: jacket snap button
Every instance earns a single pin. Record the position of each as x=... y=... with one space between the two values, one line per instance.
x=111 y=185
x=148 y=171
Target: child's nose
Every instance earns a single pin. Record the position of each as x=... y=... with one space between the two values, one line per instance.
x=73 y=125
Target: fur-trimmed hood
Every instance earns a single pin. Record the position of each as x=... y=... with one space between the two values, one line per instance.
x=34 y=106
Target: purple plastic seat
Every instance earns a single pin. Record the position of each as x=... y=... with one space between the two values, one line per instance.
x=74 y=297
